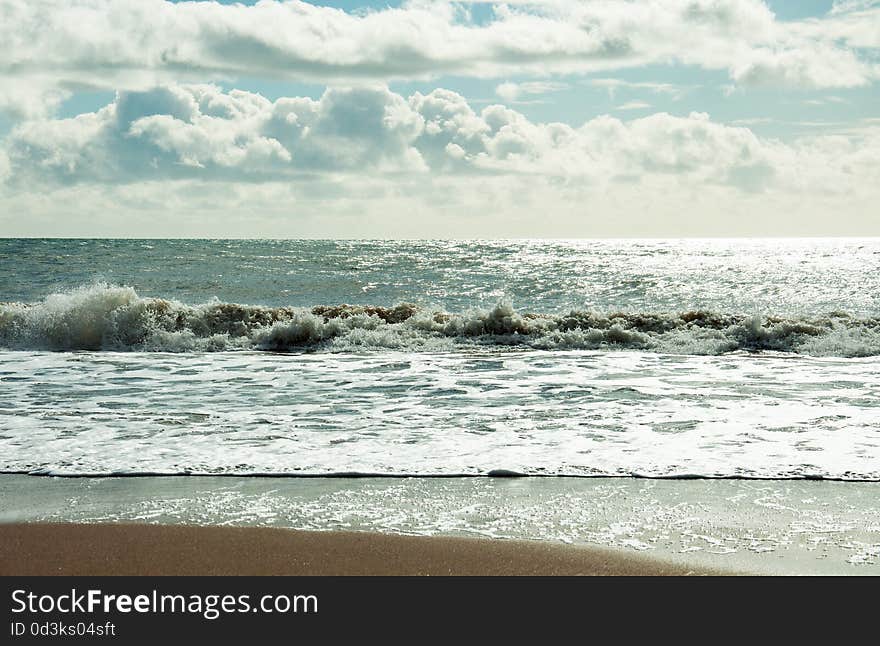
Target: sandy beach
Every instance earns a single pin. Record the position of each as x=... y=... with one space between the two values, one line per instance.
x=133 y=549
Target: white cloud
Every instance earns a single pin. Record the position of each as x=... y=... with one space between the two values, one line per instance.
x=512 y=92
x=614 y=84
x=855 y=21
x=819 y=66
x=827 y=100
x=30 y=97
x=846 y=6
x=200 y=133
x=752 y=121
x=52 y=46
x=634 y=105
x=5 y=166
x=433 y=206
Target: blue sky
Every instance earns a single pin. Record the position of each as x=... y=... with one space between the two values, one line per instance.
x=709 y=115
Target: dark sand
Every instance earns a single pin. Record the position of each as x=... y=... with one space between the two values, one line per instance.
x=131 y=549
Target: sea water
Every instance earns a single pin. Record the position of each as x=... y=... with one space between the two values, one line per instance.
x=657 y=358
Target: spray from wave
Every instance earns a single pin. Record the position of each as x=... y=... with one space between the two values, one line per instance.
x=108 y=317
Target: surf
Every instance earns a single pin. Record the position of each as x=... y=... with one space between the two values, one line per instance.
x=106 y=317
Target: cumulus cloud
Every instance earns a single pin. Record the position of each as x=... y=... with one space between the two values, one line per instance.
x=201 y=133
x=820 y=66
x=30 y=97
x=135 y=44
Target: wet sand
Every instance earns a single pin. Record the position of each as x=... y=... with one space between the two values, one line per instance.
x=139 y=549
x=762 y=527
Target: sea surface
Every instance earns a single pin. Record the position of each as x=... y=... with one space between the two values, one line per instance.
x=654 y=358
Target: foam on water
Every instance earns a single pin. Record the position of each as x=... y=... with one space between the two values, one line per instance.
x=475 y=412
x=109 y=317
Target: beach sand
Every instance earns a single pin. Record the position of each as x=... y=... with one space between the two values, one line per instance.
x=139 y=549
x=760 y=527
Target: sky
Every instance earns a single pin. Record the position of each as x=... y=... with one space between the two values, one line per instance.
x=436 y=119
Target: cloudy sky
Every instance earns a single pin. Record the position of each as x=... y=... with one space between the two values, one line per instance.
x=439 y=119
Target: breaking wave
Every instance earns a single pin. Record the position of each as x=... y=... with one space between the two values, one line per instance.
x=108 y=317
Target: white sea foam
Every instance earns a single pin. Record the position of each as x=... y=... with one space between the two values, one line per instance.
x=474 y=412
x=109 y=317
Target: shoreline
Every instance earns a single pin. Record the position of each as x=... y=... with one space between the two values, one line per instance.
x=793 y=527
x=41 y=549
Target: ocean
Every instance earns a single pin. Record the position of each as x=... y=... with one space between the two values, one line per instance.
x=651 y=358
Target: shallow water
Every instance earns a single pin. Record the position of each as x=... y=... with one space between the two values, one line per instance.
x=780 y=527
x=572 y=413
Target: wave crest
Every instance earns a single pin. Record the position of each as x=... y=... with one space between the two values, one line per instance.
x=109 y=317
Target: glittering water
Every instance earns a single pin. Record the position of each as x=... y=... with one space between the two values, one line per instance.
x=657 y=358
x=769 y=276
